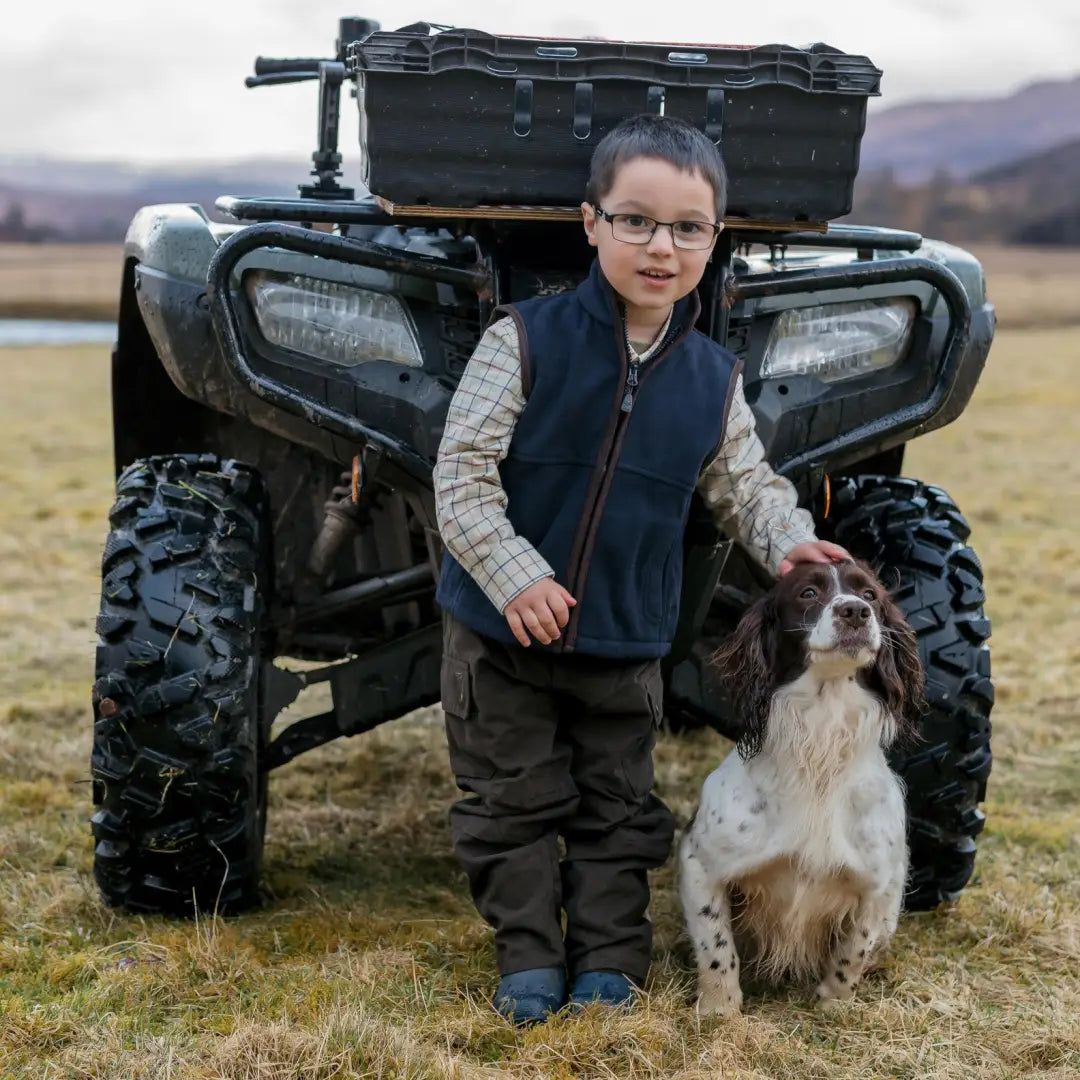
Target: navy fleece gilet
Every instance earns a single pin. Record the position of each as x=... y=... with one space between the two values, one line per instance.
x=601 y=492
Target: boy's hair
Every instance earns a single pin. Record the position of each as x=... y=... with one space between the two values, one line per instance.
x=666 y=137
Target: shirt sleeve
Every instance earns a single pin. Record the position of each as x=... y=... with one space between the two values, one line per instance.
x=470 y=501
x=749 y=501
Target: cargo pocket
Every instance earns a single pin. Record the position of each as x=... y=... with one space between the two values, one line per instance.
x=637 y=763
x=454 y=686
x=468 y=757
x=652 y=681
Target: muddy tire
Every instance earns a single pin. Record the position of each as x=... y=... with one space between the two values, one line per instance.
x=181 y=800
x=915 y=537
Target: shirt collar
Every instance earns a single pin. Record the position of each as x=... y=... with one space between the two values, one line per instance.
x=600 y=300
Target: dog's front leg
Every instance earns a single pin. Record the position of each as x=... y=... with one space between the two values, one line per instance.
x=873 y=925
x=708 y=920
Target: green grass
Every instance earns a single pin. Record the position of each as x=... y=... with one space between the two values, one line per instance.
x=367 y=958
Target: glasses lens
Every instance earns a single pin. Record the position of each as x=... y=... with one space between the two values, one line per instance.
x=632 y=228
x=692 y=234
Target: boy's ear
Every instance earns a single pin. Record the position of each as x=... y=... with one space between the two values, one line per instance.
x=716 y=237
x=588 y=215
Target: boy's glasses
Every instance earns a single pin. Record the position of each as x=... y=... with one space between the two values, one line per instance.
x=639 y=229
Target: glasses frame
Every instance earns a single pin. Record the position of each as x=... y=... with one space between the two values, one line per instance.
x=717 y=228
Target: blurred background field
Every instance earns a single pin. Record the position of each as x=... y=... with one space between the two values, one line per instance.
x=1031 y=287
x=59 y=281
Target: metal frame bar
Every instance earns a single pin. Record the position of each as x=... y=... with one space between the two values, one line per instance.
x=369 y=212
x=861 y=237
x=344 y=212
x=396 y=586
x=910 y=419
x=340 y=249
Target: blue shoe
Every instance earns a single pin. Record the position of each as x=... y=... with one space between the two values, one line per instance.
x=603 y=988
x=527 y=997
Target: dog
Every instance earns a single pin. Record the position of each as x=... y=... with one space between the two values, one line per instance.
x=796 y=860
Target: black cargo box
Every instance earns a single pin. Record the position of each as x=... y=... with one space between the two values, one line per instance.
x=463 y=118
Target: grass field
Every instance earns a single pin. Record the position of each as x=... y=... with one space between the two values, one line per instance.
x=60 y=281
x=367 y=958
x=1031 y=287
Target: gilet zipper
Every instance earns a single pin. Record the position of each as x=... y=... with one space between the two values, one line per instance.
x=626 y=406
x=633 y=363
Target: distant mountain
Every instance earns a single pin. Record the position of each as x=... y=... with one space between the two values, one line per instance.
x=997 y=168
x=962 y=138
x=76 y=200
x=1040 y=194
x=1033 y=200
x=1052 y=174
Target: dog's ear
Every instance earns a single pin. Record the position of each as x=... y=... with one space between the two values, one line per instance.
x=747 y=665
x=897 y=674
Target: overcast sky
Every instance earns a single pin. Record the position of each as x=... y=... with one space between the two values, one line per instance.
x=144 y=81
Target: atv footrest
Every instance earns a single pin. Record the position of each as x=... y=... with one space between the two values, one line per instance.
x=383 y=684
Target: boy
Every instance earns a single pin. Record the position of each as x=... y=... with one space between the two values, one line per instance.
x=580 y=429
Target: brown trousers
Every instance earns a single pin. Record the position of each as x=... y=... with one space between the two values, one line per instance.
x=549 y=746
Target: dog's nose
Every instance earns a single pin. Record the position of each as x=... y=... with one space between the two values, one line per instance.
x=853 y=612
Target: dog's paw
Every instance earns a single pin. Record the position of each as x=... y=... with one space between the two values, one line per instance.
x=831 y=1004
x=718 y=1001
x=832 y=997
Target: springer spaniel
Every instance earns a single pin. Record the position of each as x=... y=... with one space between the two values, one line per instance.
x=797 y=853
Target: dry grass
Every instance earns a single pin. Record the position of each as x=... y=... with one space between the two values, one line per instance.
x=367 y=959
x=60 y=281
x=1032 y=287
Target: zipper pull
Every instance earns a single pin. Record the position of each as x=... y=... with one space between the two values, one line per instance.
x=631 y=386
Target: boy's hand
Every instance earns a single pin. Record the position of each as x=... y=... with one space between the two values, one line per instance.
x=813 y=551
x=541 y=610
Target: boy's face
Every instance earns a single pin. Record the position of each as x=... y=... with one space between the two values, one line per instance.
x=651 y=277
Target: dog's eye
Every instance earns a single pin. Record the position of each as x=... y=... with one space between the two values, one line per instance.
x=808 y=593
x=869 y=594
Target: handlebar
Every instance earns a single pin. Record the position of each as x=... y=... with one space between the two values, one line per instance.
x=279 y=80
x=273 y=71
x=266 y=65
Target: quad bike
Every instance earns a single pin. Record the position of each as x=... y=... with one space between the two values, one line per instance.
x=279 y=386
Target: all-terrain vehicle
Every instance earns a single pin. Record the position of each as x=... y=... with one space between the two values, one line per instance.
x=279 y=389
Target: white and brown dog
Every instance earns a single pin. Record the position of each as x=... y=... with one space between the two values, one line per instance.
x=796 y=860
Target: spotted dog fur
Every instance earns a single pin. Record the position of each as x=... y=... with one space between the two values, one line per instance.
x=796 y=859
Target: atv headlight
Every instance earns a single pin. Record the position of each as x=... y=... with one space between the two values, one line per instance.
x=839 y=341
x=329 y=321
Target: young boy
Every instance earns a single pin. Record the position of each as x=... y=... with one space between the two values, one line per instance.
x=581 y=427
